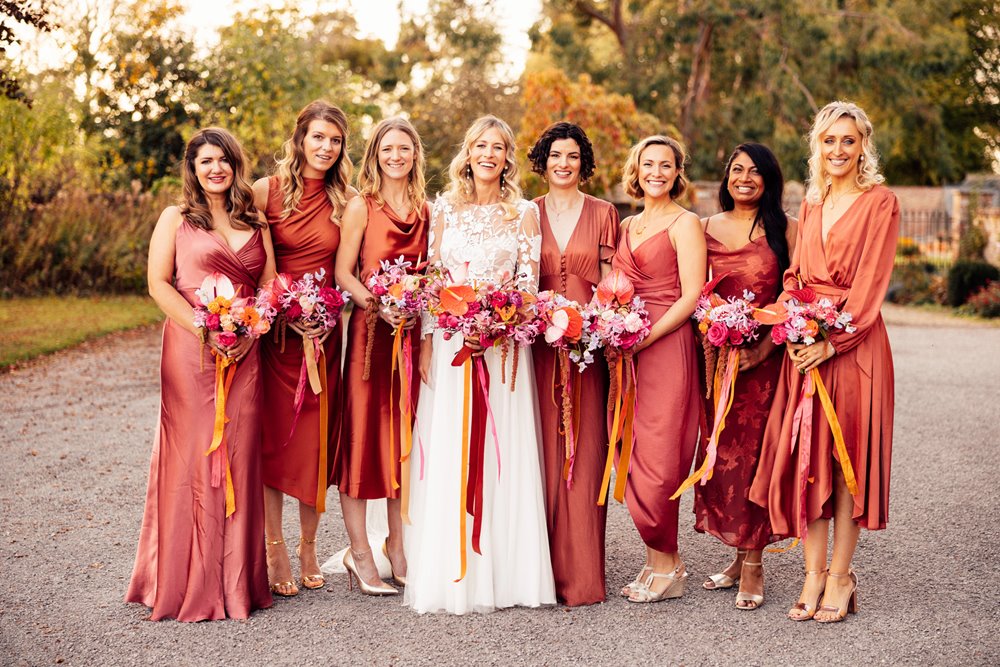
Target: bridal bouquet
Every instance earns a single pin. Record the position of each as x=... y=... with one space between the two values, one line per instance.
x=621 y=322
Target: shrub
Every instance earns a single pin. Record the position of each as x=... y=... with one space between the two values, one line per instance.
x=985 y=302
x=967 y=277
x=972 y=244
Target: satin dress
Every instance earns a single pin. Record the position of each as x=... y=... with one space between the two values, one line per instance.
x=575 y=521
x=297 y=462
x=853 y=268
x=721 y=506
x=194 y=564
x=367 y=461
x=667 y=400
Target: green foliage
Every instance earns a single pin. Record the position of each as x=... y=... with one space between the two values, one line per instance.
x=985 y=302
x=29 y=13
x=972 y=244
x=30 y=327
x=967 y=277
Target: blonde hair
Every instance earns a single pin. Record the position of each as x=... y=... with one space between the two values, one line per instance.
x=630 y=172
x=370 y=175
x=868 y=174
x=289 y=167
x=462 y=187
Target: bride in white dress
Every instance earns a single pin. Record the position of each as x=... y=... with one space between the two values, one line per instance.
x=482 y=221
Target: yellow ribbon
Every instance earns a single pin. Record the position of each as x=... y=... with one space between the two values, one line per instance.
x=626 y=456
x=466 y=418
x=609 y=462
x=838 y=435
x=407 y=427
x=223 y=382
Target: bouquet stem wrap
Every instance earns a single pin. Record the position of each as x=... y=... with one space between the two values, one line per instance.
x=220 y=460
x=727 y=368
x=623 y=387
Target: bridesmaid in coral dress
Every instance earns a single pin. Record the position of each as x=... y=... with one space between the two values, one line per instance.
x=662 y=251
x=748 y=243
x=388 y=221
x=303 y=203
x=845 y=251
x=579 y=235
x=193 y=563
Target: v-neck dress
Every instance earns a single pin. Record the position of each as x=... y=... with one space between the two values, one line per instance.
x=853 y=269
x=365 y=458
x=575 y=521
x=192 y=563
x=667 y=400
x=721 y=506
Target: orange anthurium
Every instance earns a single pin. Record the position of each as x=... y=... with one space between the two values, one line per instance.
x=804 y=295
x=615 y=287
x=574 y=324
x=776 y=313
x=455 y=299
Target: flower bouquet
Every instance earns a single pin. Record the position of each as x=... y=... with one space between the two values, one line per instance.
x=805 y=317
x=307 y=305
x=621 y=322
x=727 y=326
x=219 y=310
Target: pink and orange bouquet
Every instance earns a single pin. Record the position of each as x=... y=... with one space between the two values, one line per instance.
x=804 y=318
x=397 y=284
x=568 y=326
x=307 y=302
x=220 y=310
x=727 y=322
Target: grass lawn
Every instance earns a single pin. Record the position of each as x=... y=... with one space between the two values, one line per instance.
x=39 y=325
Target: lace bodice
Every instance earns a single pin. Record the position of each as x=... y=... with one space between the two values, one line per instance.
x=495 y=248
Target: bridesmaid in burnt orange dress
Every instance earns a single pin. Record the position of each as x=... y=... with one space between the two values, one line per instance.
x=303 y=203
x=193 y=562
x=389 y=220
x=749 y=241
x=579 y=235
x=662 y=251
x=845 y=251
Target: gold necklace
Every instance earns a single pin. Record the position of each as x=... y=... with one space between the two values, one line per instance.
x=835 y=200
x=549 y=205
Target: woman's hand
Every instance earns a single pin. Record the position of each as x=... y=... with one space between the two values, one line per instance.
x=391 y=316
x=315 y=331
x=474 y=345
x=426 y=352
x=793 y=350
x=751 y=357
x=811 y=356
x=234 y=352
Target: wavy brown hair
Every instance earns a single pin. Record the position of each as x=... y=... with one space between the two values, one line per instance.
x=370 y=175
x=239 y=198
x=289 y=168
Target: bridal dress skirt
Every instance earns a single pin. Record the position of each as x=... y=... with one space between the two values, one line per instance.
x=514 y=568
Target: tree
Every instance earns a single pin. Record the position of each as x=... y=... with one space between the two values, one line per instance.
x=30 y=13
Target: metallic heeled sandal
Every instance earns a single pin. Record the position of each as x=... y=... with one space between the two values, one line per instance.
x=310 y=581
x=399 y=581
x=809 y=610
x=381 y=588
x=630 y=587
x=721 y=581
x=852 y=601
x=674 y=589
x=276 y=586
x=753 y=598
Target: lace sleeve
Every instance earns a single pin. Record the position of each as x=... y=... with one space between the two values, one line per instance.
x=434 y=234
x=529 y=248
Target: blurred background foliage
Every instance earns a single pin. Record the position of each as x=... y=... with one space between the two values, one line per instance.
x=87 y=167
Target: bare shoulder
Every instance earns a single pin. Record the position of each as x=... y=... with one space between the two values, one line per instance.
x=689 y=221
x=171 y=218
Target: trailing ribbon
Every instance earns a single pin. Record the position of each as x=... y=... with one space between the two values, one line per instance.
x=466 y=415
x=724 y=385
x=838 y=435
x=403 y=354
x=324 y=430
x=569 y=411
x=624 y=390
x=223 y=382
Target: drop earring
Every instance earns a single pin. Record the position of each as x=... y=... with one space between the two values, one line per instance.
x=503 y=184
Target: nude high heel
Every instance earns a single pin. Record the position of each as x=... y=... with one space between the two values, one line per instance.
x=628 y=588
x=310 y=581
x=674 y=589
x=277 y=586
x=381 y=588
x=399 y=581
x=852 y=601
x=754 y=600
x=808 y=609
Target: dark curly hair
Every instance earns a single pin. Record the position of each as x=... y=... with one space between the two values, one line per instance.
x=539 y=153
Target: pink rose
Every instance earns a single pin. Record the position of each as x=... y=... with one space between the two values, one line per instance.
x=227 y=339
x=717 y=334
x=779 y=335
x=735 y=337
x=474 y=308
x=331 y=297
x=378 y=289
x=212 y=322
x=498 y=299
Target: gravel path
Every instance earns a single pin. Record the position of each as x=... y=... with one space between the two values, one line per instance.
x=78 y=429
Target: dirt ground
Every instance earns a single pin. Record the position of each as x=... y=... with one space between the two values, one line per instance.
x=78 y=431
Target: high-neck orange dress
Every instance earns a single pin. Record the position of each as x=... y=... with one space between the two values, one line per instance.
x=575 y=521
x=304 y=242
x=852 y=268
x=366 y=458
x=193 y=563
x=721 y=505
x=667 y=400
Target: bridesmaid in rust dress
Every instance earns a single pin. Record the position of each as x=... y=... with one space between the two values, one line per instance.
x=389 y=220
x=750 y=242
x=662 y=251
x=193 y=563
x=303 y=203
x=579 y=235
x=846 y=245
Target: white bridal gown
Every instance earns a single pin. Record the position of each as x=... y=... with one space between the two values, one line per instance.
x=514 y=568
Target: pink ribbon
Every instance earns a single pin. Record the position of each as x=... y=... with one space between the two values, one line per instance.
x=802 y=434
x=480 y=369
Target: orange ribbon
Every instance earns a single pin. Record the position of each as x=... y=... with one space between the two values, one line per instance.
x=400 y=353
x=838 y=435
x=223 y=382
x=623 y=421
x=466 y=418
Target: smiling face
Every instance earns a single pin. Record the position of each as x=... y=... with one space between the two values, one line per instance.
x=214 y=172
x=396 y=154
x=562 y=169
x=746 y=185
x=321 y=146
x=488 y=156
x=840 y=149
x=658 y=169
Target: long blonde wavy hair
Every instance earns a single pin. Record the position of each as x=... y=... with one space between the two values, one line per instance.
x=370 y=175
x=462 y=187
x=289 y=168
x=868 y=171
x=239 y=199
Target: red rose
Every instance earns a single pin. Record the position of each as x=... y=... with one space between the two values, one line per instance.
x=735 y=337
x=294 y=311
x=227 y=338
x=498 y=299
